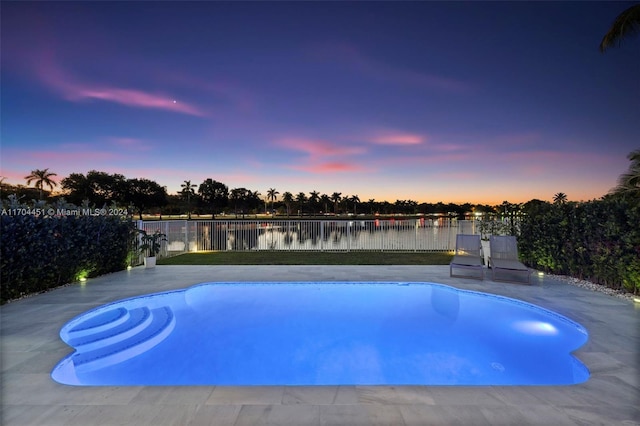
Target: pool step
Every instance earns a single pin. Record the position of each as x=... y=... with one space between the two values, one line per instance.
x=135 y=320
x=143 y=329
x=96 y=324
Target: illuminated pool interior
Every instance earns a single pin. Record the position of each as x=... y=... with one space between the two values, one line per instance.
x=321 y=333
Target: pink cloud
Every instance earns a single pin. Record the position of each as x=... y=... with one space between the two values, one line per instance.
x=133 y=98
x=52 y=75
x=402 y=138
x=398 y=139
x=320 y=148
x=323 y=156
x=329 y=167
x=351 y=56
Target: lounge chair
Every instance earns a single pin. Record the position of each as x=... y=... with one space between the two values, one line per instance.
x=503 y=259
x=468 y=255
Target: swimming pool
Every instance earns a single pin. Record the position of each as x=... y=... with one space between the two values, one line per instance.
x=321 y=333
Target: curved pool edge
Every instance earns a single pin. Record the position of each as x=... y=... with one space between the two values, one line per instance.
x=66 y=369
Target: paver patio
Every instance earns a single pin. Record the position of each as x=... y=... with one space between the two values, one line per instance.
x=31 y=347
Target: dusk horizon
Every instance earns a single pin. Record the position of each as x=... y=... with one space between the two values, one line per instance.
x=433 y=102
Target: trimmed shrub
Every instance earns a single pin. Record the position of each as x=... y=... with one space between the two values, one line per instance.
x=596 y=240
x=41 y=252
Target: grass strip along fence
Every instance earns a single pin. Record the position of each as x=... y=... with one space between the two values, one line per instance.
x=307 y=258
x=41 y=252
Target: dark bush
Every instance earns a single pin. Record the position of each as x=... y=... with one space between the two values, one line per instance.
x=596 y=240
x=39 y=252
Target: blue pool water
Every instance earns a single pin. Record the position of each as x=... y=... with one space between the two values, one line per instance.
x=321 y=333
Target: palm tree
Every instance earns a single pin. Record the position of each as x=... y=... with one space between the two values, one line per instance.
x=355 y=200
x=629 y=182
x=301 y=198
x=325 y=200
x=625 y=25
x=254 y=201
x=371 y=203
x=41 y=178
x=314 y=199
x=560 y=198
x=335 y=197
x=287 y=197
x=272 y=195
x=187 y=191
x=345 y=203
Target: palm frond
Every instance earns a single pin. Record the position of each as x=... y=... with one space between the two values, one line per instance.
x=629 y=182
x=625 y=25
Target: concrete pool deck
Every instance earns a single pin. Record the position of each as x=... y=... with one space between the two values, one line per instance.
x=30 y=347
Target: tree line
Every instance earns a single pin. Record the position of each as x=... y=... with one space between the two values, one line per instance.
x=211 y=197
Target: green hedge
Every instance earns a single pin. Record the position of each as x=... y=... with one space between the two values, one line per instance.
x=595 y=240
x=40 y=252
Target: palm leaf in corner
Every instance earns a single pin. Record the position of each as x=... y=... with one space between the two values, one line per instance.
x=625 y=25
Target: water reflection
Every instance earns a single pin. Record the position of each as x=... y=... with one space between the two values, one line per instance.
x=392 y=234
x=446 y=302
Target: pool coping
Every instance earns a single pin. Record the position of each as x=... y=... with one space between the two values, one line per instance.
x=31 y=347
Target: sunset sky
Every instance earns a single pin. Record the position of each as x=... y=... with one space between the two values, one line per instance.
x=453 y=102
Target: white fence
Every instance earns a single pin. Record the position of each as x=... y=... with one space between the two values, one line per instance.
x=410 y=235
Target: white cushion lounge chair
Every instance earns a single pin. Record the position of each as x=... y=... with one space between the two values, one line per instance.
x=468 y=255
x=503 y=259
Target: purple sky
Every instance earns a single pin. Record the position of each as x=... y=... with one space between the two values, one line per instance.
x=453 y=102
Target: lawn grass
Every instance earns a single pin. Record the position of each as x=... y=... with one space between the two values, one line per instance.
x=307 y=258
